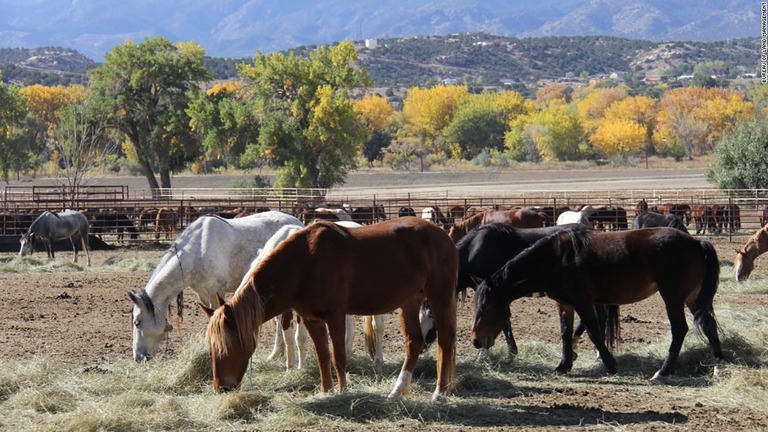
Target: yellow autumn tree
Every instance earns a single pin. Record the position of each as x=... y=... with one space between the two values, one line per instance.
x=374 y=112
x=429 y=111
x=595 y=103
x=559 y=93
x=692 y=119
x=618 y=137
x=553 y=133
x=43 y=102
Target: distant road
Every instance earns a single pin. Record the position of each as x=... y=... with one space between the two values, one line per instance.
x=479 y=181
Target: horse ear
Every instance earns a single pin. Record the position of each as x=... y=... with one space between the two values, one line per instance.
x=219 y=300
x=208 y=311
x=135 y=297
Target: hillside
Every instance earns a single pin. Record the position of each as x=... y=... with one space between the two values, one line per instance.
x=476 y=59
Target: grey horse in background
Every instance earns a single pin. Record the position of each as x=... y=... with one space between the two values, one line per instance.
x=50 y=227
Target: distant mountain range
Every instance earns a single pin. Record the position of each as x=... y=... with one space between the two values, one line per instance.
x=239 y=28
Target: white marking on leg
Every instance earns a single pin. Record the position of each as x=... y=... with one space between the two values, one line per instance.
x=289 y=339
x=279 y=345
x=301 y=344
x=403 y=381
x=378 y=355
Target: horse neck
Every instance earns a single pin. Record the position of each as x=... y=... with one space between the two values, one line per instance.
x=758 y=244
x=167 y=281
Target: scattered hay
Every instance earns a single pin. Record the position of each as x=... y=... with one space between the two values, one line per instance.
x=244 y=406
x=127 y=264
x=19 y=264
x=193 y=366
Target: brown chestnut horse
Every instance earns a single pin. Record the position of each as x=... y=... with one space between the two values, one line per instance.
x=744 y=262
x=414 y=260
x=578 y=268
x=518 y=218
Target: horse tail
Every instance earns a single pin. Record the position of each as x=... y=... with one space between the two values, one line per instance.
x=370 y=336
x=702 y=308
x=612 y=327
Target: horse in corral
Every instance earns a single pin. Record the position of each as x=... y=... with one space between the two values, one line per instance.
x=210 y=256
x=731 y=217
x=611 y=217
x=485 y=250
x=415 y=260
x=683 y=211
x=641 y=207
x=368 y=214
x=406 y=211
x=762 y=214
x=705 y=218
x=165 y=221
x=112 y=221
x=147 y=218
x=434 y=215
x=652 y=220
x=324 y=213
x=50 y=227
x=577 y=217
x=290 y=331
x=520 y=218
x=578 y=268
x=744 y=262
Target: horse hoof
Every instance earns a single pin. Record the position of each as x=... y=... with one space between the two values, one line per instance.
x=721 y=371
x=659 y=378
x=562 y=370
x=394 y=396
x=439 y=397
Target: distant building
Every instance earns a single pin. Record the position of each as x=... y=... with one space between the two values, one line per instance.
x=371 y=43
x=652 y=79
x=507 y=81
x=450 y=81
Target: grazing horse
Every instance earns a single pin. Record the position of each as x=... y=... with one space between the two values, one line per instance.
x=325 y=213
x=578 y=268
x=652 y=219
x=485 y=250
x=291 y=334
x=50 y=227
x=210 y=256
x=744 y=262
x=519 y=218
x=165 y=221
x=414 y=259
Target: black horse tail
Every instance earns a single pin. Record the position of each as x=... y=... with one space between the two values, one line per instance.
x=703 y=310
x=612 y=327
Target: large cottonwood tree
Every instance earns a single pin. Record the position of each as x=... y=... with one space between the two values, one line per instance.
x=145 y=89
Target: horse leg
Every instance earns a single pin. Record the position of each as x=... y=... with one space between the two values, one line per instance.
x=279 y=347
x=414 y=340
x=378 y=355
x=337 y=327
x=289 y=341
x=597 y=335
x=444 y=314
x=74 y=249
x=510 y=338
x=349 y=336
x=301 y=343
x=679 y=327
x=566 y=333
x=86 y=247
x=49 y=248
x=319 y=334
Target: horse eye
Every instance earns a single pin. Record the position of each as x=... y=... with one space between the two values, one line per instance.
x=137 y=323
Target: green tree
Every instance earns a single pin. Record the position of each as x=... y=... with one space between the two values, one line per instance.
x=14 y=150
x=475 y=126
x=307 y=124
x=225 y=122
x=144 y=90
x=741 y=157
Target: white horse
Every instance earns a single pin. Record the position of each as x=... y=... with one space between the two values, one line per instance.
x=291 y=336
x=577 y=217
x=50 y=227
x=210 y=256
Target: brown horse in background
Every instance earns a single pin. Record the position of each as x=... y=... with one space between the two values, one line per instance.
x=744 y=262
x=518 y=218
x=414 y=260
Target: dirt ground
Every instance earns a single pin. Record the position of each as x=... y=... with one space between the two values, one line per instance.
x=83 y=318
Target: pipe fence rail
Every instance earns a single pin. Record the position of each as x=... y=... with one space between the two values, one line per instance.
x=118 y=215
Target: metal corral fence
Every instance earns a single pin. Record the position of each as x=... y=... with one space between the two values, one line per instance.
x=119 y=216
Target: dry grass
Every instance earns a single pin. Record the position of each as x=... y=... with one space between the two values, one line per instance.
x=176 y=394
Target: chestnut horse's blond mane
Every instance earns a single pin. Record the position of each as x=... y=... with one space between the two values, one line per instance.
x=247 y=311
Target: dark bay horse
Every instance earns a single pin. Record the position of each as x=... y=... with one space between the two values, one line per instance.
x=744 y=262
x=651 y=219
x=485 y=250
x=50 y=227
x=414 y=260
x=579 y=268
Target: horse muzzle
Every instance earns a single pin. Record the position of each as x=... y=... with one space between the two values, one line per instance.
x=482 y=342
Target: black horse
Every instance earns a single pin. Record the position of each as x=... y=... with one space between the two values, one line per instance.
x=486 y=249
x=579 y=267
x=652 y=219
